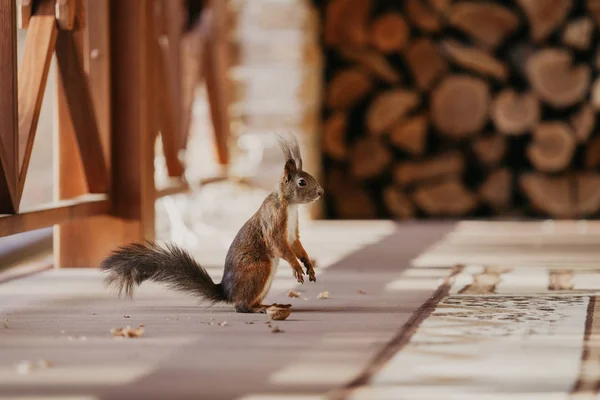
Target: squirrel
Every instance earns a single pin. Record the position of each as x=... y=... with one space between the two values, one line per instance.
x=267 y=236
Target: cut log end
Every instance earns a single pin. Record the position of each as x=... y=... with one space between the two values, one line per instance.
x=496 y=191
x=397 y=203
x=432 y=169
x=373 y=62
x=475 y=60
x=515 y=114
x=390 y=33
x=334 y=140
x=388 y=108
x=583 y=123
x=425 y=62
x=369 y=158
x=544 y=16
x=448 y=198
x=556 y=81
x=347 y=87
x=423 y=15
x=490 y=150
x=578 y=34
x=410 y=134
x=489 y=24
x=550 y=195
x=552 y=147
x=459 y=106
x=566 y=196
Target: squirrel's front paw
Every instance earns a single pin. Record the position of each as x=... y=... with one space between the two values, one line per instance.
x=298 y=274
x=309 y=269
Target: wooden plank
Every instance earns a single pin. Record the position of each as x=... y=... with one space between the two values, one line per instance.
x=81 y=111
x=168 y=28
x=55 y=213
x=166 y=102
x=86 y=242
x=217 y=80
x=33 y=75
x=193 y=45
x=173 y=29
x=133 y=191
x=8 y=108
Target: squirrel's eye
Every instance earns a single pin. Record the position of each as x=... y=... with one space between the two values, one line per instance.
x=301 y=182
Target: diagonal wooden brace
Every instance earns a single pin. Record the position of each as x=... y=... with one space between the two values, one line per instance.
x=32 y=77
x=8 y=109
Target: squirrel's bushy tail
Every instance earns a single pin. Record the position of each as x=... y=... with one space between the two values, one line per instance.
x=135 y=263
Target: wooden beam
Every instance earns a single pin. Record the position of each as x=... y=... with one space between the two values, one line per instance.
x=81 y=110
x=8 y=108
x=55 y=213
x=33 y=75
x=133 y=191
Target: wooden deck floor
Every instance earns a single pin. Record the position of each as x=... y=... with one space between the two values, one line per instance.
x=64 y=316
x=517 y=317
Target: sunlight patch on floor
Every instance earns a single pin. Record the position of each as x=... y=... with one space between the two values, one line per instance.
x=77 y=375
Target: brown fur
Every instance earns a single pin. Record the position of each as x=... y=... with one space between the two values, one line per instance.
x=261 y=241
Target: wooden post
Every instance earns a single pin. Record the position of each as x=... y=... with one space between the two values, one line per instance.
x=8 y=108
x=84 y=243
x=133 y=191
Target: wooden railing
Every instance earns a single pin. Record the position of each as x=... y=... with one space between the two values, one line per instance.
x=126 y=70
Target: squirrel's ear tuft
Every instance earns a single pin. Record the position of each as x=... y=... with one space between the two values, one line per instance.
x=291 y=149
x=289 y=170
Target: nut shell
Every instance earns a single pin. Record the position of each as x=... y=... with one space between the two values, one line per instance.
x=278 y=313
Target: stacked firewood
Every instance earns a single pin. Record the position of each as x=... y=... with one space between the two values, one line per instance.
x=461 y=108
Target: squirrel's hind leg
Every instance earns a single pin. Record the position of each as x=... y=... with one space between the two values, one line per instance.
x=253 y=282
x=244 y=308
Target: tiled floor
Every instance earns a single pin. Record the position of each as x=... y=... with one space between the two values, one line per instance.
x=520 y=320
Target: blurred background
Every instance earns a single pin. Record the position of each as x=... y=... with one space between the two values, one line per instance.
x=407 y=109
x=416 y=109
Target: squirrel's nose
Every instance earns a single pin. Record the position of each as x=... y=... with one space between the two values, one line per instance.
x=320 y=192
